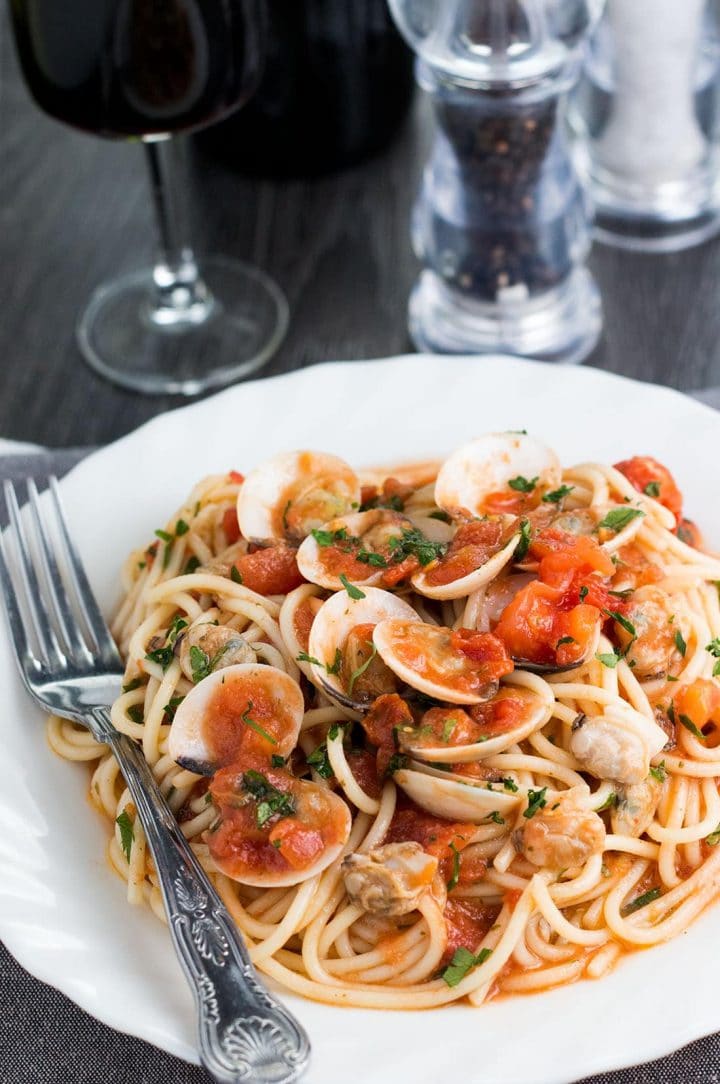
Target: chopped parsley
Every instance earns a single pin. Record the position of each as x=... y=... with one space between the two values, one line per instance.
x=193 y=563
x=255 y=725
x=277 y=761
x=319 y=762
x=181 y=528
x=583 y=593
x=334 y=667
x=652 y=489
x=510 y=784
x=271 y=801
x=413 y=543
x=610 y=802
x=617 y=518
x=368 y=557
x=462 y=962
x=447 y=730
x=680 y=643
x=286 y=509
x=495 y=817
x=565 y=640
x=202 y=665
x=714 y=838
x=439 y=514
x=136 y=713
x=609 y=659
x=523 y=485
x=397 y=762
x=235 y=574
x=361 y=669
x=557 y=495
x=455 y=876
x=659 y=772
x=622 y=621
x=164 y=655
x=524 y=541
x=642 y=901
x=304 y=657
x=714 y=648
x=536 y=801
x=690 y=725
x=134 y=684
x=127 y=835
x=353 y=591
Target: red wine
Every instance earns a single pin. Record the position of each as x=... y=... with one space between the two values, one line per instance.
x=139 y=67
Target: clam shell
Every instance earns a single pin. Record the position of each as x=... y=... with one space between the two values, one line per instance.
x=537 y=714
x=187 y=744
x=265 y=493
x=473 y=581
x=309 y=555
x=487 y=464
x=332 y=625
x=448 y=798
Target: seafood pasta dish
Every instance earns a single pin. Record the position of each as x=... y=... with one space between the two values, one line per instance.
x=436 y=733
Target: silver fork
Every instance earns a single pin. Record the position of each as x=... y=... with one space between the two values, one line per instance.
x=71 y=667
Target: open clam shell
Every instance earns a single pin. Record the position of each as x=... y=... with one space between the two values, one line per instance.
x=288 y=495
x=333 y=623
x=422 y=656
x=244 y=709
x=535 y=711
x=543 y=668
x=447 y=797
x=473 y=581
x=486 y=465
x=367 y=533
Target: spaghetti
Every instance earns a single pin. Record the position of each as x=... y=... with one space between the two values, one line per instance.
x=447 y=734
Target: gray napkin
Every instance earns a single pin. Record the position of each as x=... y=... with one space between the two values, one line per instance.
x=46 y=1039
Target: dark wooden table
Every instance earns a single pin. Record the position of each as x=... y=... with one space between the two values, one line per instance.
x=75 y=211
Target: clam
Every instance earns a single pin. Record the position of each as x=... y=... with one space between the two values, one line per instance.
x=544 y=668
x=509 y=717
x=458 y=666
x=345 y=663
x=242 y=710
x=274 y=830
x=617 y=745
x=358 y=546
x=486 y=466
x=294 y=492
x=456 y=798
x=479 y=551
x=219 y=646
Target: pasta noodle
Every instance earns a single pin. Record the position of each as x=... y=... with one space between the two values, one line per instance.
x=499 y=687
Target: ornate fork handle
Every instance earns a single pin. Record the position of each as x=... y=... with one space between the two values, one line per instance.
x=244 y=1033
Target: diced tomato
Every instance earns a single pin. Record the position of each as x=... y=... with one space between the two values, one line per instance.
x=392 y=576
x=467 y=923
x=511 y=502
x=394 y=489
x=297 y=843
x=700 y=703
x=367 y=494
x=230 y=526
x=473 y=544
x=634 y=568
x=270 y=571
x=236 y=476
x=499 y=715
x=560 y=553
x=643 y=471
x=447 y=726
x=689 y=533
x=388 y=712
x=534 y=623
x=434 y=834
x=364 y=766
x=486 y=650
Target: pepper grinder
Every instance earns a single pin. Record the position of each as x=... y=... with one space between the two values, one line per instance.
x=646 y=115
x=502 y=221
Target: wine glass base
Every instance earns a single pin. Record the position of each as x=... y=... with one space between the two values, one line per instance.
x=241 y=329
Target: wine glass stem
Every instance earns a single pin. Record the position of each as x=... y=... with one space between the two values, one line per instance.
x=180 y=297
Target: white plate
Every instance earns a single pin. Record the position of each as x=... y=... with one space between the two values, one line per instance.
x=64 y=915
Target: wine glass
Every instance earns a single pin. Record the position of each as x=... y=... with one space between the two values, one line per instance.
x=145 y=69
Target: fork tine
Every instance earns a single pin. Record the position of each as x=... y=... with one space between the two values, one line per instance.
x=15 y=619
x=39 y=618
x=83 y=592
x=61 y=610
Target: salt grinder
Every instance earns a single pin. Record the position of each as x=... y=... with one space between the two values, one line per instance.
x=646 y=116
x=501 y=222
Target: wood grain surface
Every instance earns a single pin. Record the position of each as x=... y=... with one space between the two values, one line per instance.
x=75 y=211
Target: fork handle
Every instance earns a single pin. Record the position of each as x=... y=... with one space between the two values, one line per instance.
x=245 y=1035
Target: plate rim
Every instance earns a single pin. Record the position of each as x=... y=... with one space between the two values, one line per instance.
x=672 y=1038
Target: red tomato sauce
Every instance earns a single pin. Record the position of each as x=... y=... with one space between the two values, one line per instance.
x=467 y=923
x=653 y=479
x=464 y=660
x=472 y=546
x=226 y=734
